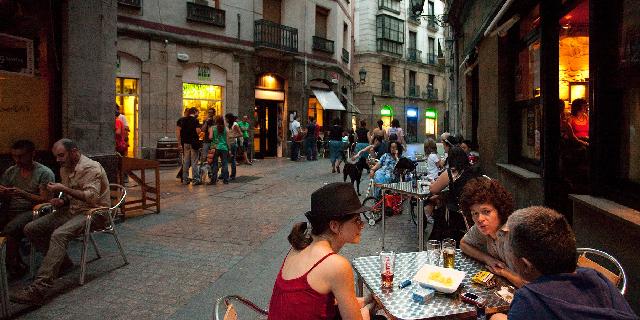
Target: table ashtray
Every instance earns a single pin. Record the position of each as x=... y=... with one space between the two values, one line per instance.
x=441 y=279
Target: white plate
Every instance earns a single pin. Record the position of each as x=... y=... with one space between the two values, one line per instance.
x=425 y=277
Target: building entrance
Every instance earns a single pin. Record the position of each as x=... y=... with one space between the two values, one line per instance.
x=412 y=125
x=265 y=128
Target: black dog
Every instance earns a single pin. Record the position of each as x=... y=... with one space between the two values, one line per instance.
x=354 y=172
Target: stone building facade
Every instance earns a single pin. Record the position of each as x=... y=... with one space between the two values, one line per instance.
x=403 y=53
x=264 y=59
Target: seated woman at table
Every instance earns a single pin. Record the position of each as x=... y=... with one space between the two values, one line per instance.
x=489 y=204
x=313 y=276
x=455 y=177
x=382 y=172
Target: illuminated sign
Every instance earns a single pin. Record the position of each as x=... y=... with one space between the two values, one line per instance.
x=412 y=113
x=386 y=110
x=431 y=114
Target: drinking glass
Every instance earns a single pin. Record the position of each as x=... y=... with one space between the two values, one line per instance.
x=433 y=252
x=387 y=264
x=448 y=253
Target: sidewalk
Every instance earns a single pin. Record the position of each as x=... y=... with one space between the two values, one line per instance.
x=208 y=241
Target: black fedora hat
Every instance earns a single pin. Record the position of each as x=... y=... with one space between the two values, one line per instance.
x=335 y=200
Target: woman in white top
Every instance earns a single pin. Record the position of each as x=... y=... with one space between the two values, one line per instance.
x=434 y=164
x=395 y=129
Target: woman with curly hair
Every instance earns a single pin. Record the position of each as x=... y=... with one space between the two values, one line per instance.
x=489 y=204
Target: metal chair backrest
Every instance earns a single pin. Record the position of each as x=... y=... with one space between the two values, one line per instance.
x=118 y=193
x=230 y=310
x=594 y=259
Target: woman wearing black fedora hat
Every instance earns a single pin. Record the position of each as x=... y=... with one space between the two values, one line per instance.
x=313 y=276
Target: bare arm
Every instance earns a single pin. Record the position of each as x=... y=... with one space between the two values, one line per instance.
x=373 y=170
x=499 y=316
x=494 y=265
x=343 y=288
x=440 y=183
x=178 y=130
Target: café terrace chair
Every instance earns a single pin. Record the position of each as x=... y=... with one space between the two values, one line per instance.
x=118 y=195
x=231 y=313
x=601 y=262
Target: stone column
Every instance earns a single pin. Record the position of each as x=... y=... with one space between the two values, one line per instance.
x=88 y=77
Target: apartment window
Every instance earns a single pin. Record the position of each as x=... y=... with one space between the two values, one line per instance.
x=322 y=15
x=430 y=8
x=389 y=34
x=412 y=40
x=413 y=89
x=386 y=73
x=389 y=5
x=430 y=81
x=345 y=36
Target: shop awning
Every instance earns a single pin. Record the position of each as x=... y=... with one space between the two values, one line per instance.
x=352 y=107
x=328 y=100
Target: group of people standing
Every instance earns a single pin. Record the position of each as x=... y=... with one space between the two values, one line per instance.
x=217 y=139
x=305 y=138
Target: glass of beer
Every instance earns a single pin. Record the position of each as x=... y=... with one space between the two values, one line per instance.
x=387 y=264
x=448 y=253
x=433 y=252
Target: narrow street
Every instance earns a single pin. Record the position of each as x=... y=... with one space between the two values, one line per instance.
x=207 y=242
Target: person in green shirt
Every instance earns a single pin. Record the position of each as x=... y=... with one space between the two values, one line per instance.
x=22 y=186
x=218 y=134
x=244 y=126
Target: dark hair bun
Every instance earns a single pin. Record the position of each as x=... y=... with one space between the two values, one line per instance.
x=299 y=238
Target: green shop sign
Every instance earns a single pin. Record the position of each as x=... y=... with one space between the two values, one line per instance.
x=204 y=73
x=431 y=114
x=386 y=111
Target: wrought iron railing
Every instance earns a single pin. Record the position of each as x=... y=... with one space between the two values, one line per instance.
x=131 y=3
x=272 y=35
x=431 y=58
x=413 y=54
x=430 y=94
x=322 y=44
x=432 y=23
x=206 y=14
x=345 y=55
x=414 y=91
x=388 y=88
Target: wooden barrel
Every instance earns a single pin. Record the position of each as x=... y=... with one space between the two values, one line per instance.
x=168 y=152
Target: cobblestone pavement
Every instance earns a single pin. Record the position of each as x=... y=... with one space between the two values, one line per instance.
x=207 y=242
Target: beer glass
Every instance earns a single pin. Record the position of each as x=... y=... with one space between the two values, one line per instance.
x=433 y=252
x=448 y=253
x=387 y=264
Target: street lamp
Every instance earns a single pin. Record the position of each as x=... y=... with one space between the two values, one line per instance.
x=363 y=75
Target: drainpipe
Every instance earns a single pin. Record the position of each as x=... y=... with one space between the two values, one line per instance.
x=498 y=16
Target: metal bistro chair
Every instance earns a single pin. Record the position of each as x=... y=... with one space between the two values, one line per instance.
x=594 y=259
x=118 y=195
x=230 y=313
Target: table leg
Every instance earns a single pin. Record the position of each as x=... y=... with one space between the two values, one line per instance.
x=383 y=219
x=359 y=286
x=4 y=287
x=420 y=224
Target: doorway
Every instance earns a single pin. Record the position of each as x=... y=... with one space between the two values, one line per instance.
x=412 y=125
x=265 y=133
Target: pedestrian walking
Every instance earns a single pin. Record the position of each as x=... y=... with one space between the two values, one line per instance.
x=219 y=143
x=246 y=142
x=378 y=132
x=296 y=138
x=206 y=141
x=311 y=139
x=188 y=132
x=395 y=129
x=179 y=138
x=234 y=134
x=335 y=145
x=362 y=138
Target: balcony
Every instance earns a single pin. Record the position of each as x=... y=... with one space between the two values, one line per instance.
x=345 y=55
x=389 y=5
x=388 y=88
x=131 y=3
x=413 y=54
x=430 y=94
x=322 y=44
x=432 y=24
x=414 y=91
x=205 y=14
x=272 y=35
x=431 y=58
x=412 y=17
x=389 y=46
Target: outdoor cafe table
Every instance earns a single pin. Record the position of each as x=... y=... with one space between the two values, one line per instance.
x=398 y=303
x=405 y=188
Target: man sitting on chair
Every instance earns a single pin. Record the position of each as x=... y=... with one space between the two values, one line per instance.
x=542 y=249
x=84 y=187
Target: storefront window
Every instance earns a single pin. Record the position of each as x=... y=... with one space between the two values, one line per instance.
x=527 y=108
x=431 y=123
x=315 y=111
x=127 y=99
x=386 y=114
x=202 y=97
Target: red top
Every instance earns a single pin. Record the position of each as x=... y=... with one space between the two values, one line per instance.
x=295 y=299
x=580 y=126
